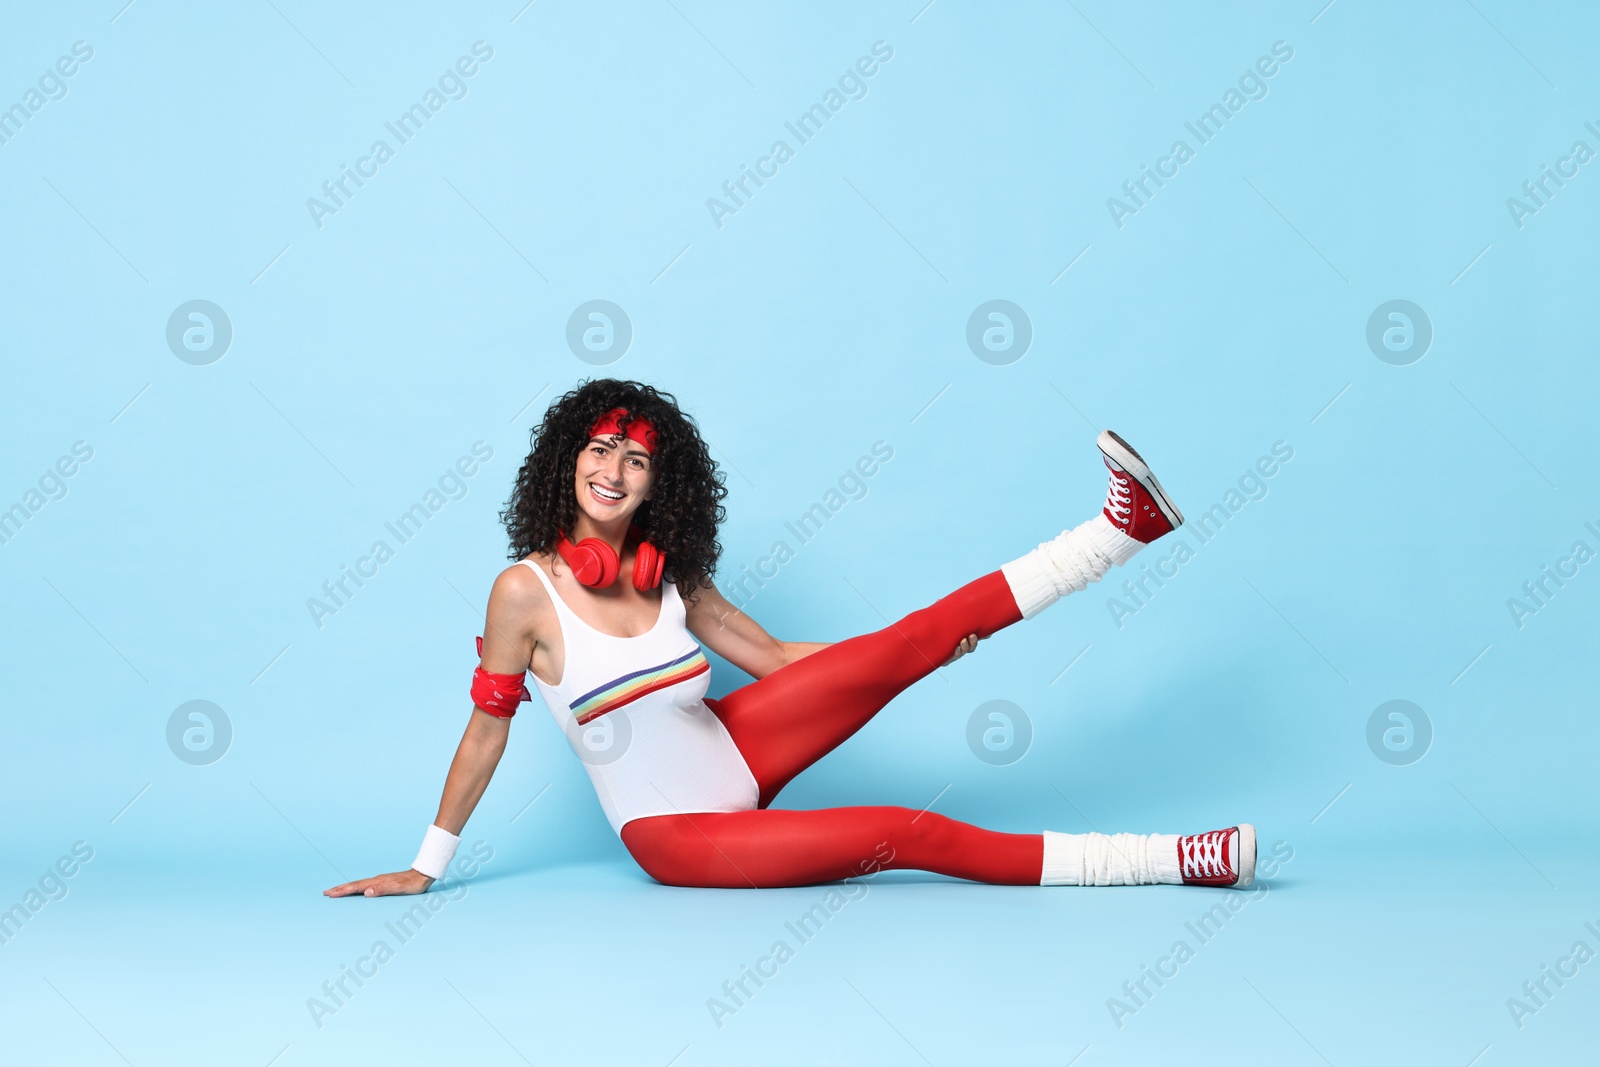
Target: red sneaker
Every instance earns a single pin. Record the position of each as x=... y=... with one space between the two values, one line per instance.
x=1224 y=858
x=1135 y=501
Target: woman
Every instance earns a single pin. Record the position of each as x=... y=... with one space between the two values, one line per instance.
x=620 y=491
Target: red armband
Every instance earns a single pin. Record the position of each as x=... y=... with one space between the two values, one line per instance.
x=498 y=694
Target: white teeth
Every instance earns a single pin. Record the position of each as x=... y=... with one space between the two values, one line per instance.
x=608 y=494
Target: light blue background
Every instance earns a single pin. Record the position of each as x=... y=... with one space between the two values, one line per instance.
x=830 y=312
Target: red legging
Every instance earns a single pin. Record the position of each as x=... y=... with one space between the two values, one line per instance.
x=785 y=722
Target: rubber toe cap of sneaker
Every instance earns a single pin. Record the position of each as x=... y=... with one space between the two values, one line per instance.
x=1246 y=860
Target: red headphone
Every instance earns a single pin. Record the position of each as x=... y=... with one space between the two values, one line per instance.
x=595 y=563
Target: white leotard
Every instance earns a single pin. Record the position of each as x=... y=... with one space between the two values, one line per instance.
x=633 y=709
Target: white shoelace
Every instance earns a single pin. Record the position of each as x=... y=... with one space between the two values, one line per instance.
x=1119 y=498
x=1205 y=855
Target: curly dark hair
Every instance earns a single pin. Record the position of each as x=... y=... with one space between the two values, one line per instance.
x=685 y=509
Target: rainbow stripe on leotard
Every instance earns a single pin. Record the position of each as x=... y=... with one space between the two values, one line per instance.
x=630 y=687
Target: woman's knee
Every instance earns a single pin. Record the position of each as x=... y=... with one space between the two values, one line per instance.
x=928 y=834
x=898 y=834
x=929 y=632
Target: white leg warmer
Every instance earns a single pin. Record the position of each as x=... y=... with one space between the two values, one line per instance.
x=1068 y=564
x=1115 y=859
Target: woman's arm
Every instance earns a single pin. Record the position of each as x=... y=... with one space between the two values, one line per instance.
x=508 y=640
x=477 y=756
x=740 y=640
x=735 y=636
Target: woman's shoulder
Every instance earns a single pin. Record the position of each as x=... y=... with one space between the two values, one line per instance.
x=518 y=590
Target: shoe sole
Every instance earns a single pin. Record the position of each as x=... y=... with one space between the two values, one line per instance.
x=1122 y=454
x=1247 y=856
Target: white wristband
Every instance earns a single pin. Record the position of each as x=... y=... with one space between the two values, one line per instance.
x=438 y=849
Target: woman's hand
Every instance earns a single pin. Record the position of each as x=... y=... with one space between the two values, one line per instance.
x=400 y=883
x=968 y=643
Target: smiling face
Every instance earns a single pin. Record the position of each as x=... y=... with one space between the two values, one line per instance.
x=614 y=477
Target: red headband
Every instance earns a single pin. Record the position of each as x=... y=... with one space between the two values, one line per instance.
x=639 y=429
